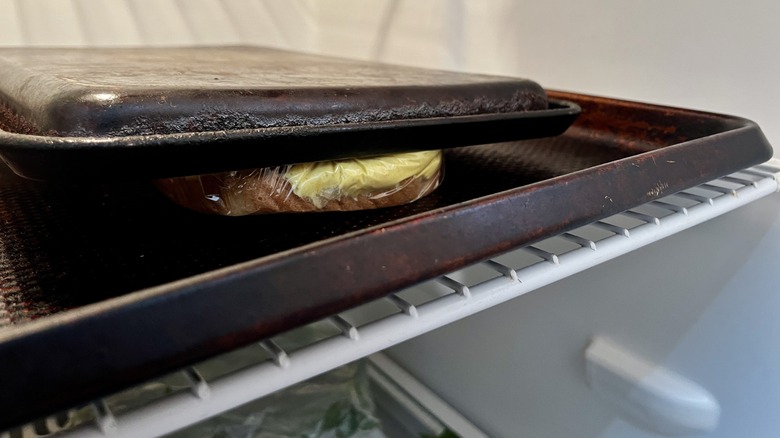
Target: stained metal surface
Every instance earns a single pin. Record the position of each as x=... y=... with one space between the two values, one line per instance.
x=121 y=113
x=106 y=285
x=155 y=156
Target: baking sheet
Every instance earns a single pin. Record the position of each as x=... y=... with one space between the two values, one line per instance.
x=103 y=286
x=99 y=114
x=164 y=155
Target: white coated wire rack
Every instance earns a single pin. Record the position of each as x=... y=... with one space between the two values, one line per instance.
x=285 y=360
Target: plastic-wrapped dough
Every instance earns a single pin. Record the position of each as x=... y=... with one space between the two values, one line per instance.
x=340 y=185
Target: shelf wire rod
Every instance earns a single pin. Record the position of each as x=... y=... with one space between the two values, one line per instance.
x=748 y=189
x=62 y=418
x=758 y=173
x=741 y=181
x=280 y=357
x=347 y=328
x=104 y=418
x=542 y=254
x=459 y=288
x=719 y=189
x=19 y=432
x=198 y=385
x=581 y=241
x=642 y=217
x=51 y=424
x=620 y=231
x=405 y=306
x=40 y=426
x=772 y=167
x=670 y=207
x=694 y=197
x=504 y=270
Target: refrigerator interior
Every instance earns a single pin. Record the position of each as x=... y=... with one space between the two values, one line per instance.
x=408 y=406
x=700 y=303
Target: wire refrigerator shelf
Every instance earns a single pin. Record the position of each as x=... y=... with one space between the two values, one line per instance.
x=380 y=324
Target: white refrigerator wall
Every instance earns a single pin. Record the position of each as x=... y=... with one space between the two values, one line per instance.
x=716 y=55
x=702 y=304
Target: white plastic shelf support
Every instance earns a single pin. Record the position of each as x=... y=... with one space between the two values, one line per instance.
x=647 y=394
x=185 y=408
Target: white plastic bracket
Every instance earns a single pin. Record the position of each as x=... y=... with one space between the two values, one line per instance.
x=648 y=395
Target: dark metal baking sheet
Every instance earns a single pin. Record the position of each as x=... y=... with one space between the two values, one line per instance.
x=115 y=91
x=120 y=113
x=164 y=155
x=103 y=286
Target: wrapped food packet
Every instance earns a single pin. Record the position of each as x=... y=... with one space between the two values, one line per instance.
x=336 y=404
x=339 y=185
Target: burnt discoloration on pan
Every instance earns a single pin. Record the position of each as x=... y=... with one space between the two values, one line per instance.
x=122 y=91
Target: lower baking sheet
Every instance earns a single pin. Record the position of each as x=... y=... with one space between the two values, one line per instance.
x=105 y=285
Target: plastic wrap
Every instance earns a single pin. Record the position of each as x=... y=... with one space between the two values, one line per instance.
x=340 y=185
x=336 y=404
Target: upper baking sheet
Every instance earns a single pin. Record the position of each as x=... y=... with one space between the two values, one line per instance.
x=195 y=110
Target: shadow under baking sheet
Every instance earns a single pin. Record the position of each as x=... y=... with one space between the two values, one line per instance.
x=68 y=245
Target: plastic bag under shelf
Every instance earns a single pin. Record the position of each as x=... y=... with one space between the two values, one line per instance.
x=336 y=404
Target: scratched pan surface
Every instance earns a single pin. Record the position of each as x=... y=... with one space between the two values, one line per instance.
x=126 y=113
x=106 y=285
